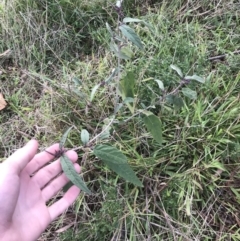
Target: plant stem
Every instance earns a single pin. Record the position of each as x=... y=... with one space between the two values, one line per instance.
x=222 y=56
x=119 y=74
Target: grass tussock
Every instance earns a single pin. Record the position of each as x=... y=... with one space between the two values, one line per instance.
x=59 y=50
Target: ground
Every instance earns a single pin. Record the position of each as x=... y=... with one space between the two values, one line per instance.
x=53 y=53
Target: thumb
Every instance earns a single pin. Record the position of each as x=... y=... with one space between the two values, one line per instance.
x=20 y=158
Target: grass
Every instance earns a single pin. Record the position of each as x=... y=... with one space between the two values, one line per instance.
x=60 y=50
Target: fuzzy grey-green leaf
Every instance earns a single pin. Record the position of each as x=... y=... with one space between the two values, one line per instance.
x=84 y=136
x=120 y=39
x=109 y=29
x=72 y=175
x=131 y=20
x=160 y=84
x=177 y=69
x=118 y=53
x=130 y=34
x=195 y=77
x=117 y=162
x=115 y=71
x=175 y=100
x=93 y=92
x=127 y=88
x=64 y=138
x=191 y=94
x=136 y=20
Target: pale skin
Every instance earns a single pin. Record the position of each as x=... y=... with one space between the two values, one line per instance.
x=26 y=185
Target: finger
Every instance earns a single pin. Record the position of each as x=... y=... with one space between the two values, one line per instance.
x=67 y=200
x=56 y=185
x=46 y=174
x=41 y=159
x=20 y=158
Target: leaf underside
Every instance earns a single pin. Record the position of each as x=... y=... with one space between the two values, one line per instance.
x=64 y=138
x=191 y=94
x=72 y=175
x=175 y=100
x=130 y=34
x=84 y=136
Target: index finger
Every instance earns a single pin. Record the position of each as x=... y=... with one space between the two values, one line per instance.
x=41 y=159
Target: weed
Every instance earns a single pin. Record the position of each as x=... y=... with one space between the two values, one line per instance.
x=191 y=179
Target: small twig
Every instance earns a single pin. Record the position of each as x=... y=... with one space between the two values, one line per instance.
x=138 y=113
x=119 y=12
x=181 y=84
x=57 y=154
x=222 y=56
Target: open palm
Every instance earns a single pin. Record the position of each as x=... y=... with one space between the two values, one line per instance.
x=26 y=184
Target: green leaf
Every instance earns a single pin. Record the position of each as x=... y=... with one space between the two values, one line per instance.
x=208 y=79
x=106 y=128
x=109 y=29
x=127 y=87
x=80 y=94
x=178 y=102
x=145 y=112
x=119 y=54
x=84 y=136
x=120 y=39
x=67 y=186
x=132 y=20
x=128 y=100
x=131 y=35
x=93 y=92
x=175 y=100
x=191 y=94
x=178 y=70
x=215 y=164
x=72 y=175
x=118 y=107
x=136 y=20
x=106 y=133
x=117 y=162
x=64 y=138
x=125 y=101
x=154 y=126
x=160 y=84
x=77 y=81
x=195 y=77
x=150 y=27
x=127 y=51
x=113 y=74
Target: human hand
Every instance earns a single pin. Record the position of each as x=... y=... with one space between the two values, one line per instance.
x=25 y=188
